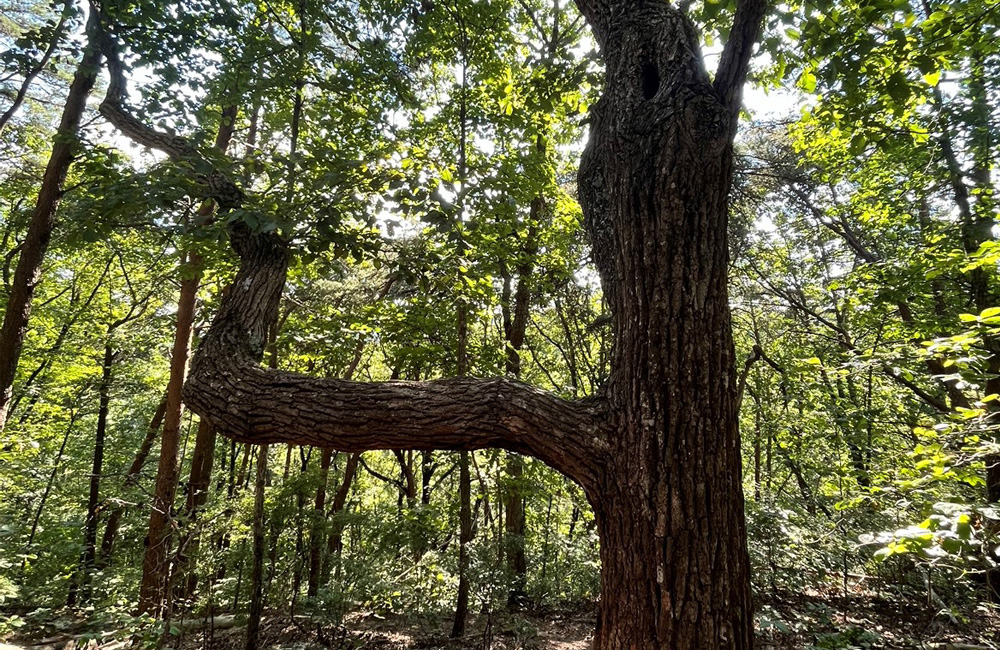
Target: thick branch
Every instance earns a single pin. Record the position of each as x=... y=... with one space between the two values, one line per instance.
x=244 y=401
x=218 y=185
x=735 y=62
x=256 y=405
x=227 y=387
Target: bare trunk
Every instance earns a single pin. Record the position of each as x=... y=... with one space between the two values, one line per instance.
x=257 y=566
x=89 y=556
x=155 y=563
x=202 y=461
x=464 y=541
x=316 y=534
x=335 y=542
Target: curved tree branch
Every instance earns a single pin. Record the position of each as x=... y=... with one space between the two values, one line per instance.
x=219 y=187
x=253 y=404
x=246 y=402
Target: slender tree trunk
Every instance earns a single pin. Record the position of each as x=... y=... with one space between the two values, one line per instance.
x=36 y=242
x=318 y=527
x=515 y=326
x=464 y=541
x=131 y=477
x=257 y=566
x=156 y=564
x=335 y=542
x=427 y=469
x=300 y=556
x=88 y=560
x=202 y=462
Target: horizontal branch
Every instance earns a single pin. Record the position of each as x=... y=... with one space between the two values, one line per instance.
x=244 y=401
x=257 y=405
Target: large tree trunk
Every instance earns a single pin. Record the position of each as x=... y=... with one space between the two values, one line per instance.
x=654 y=183
x=657 y=453
x=36 y=241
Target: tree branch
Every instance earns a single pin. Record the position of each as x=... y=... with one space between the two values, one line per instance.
x=735 y=62
x=241 y=400
x=218 y=185
x=246 y=402
x=255 y=405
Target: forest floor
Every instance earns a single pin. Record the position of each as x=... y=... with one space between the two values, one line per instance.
x=812 y=620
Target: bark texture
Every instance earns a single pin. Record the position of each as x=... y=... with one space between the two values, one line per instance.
x=654 y=184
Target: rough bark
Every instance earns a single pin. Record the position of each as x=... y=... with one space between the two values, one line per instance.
x=654 y=183
x=28 y=272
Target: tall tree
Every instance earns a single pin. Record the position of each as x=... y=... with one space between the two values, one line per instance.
x=36 y=241
x=658 y=452
x=155 y=564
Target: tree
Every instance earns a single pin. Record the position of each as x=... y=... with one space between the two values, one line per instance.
x=657 y=453
x=36 y=242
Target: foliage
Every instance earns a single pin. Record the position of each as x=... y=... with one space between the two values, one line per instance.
x=416 y=155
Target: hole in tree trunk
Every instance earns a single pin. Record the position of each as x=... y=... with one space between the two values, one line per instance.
x=650 y=78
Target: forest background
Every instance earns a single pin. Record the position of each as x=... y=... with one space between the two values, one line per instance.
x=421 y=159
